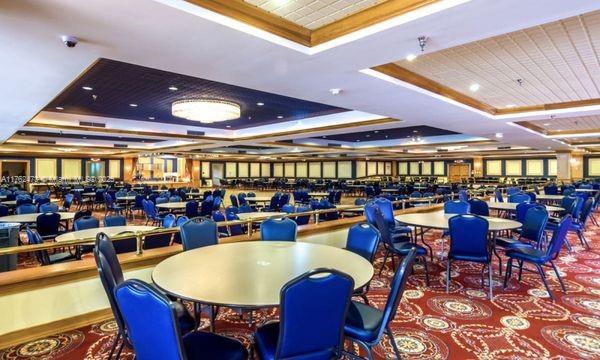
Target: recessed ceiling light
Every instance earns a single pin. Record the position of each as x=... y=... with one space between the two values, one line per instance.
x=474 y=87
x=260 y=104
x=280 y=116
x=411 y=57
x=85 y=137
x=499 y=135
x=59 y=108
x=88 y=88
x=415 y=131
x=324 y=137
x=386 y=136
x=133 y=105
x=376 y=131
x=357 y=140
x=367 y=135
x=335 y=91
x=173 y=88
x=151 y=118
x=510 y=106
x=547 y=124
x=227 y=126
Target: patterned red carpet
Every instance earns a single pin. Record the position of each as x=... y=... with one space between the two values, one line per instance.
x=519 y=323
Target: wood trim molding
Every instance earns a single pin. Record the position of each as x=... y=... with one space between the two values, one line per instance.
x=402 y=74
x=256 y=17
x=264 y=20
x=365 y=18
x=40 y=331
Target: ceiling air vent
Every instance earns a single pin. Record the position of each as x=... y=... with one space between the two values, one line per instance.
x=92 y=124
x=503 y=147
x=442 y=150
x=197 y=133
x=121 y=146
x=242 y=151
x=334 y=145
x=48 y=142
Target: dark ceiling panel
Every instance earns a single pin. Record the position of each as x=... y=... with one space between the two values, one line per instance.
x=44 y=134
x=390 y=134
x=117 y=84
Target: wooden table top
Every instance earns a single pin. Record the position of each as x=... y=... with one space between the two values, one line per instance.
x=258 y=198
x=258 y=215
x=512 y=206
x=251 y=274
x=172 y=205
x=108 y=230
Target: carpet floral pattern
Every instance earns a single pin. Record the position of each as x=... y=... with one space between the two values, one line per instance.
x=520 y=322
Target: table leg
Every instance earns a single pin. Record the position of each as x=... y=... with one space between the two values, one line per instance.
x=494 y=234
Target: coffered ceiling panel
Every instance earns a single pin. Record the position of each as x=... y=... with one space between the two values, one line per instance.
x=580 y=123
x=556 y=62
x=313 y=14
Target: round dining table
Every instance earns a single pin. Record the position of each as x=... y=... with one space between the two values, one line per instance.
x=258 y=198
x=14 y=202
x=549 y=198
x=172 y=205
x=108 y=230
x=318 y=194
x=259 y=215
x=251 y=274
x=32 y=218
x=512 y=206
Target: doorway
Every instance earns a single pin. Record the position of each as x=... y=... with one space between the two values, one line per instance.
x=457 y=172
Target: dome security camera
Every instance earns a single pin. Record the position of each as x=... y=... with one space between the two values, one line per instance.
x=69 y=40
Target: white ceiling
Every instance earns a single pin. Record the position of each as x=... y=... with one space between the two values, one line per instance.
x=35 y=65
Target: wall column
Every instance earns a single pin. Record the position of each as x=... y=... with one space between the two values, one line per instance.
x=576 y=163
x=563 y=166
x=477 y=166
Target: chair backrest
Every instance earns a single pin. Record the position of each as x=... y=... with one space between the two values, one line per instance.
x=304 y=219
x=27 y=208
x=111 y=274
x=415 y=194
x=551 y=189
x=245 y=209
x=586 y=211
x=3 y=210
x=48 y=223
x=169 y=221
x=463 y=196
x=48 y=208
x=558 y=238
x=86 y=222
x=198 y=232
x=468 y=235
x=382 y=226
x=153 y=337
x=175 y=198
x=499 y=197
x=81 y=213
x=512 y=190
x=115 y=220
x=479 y=207
x=34 y=238
x=534 y=223
x=206 y=208
x=191 y=209
x=313 y=311
x=387 y=209
x=234 y=229
x=363 y=240
x=569 y=203
x=360 y=201
x=278 y=229
x=396 y=291
x=288 y=208
x=458 y=207
x=519 y=198
x=234 y=200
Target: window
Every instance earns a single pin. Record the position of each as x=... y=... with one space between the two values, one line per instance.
x=493 y=168
x=514 y=168
x=302 y=170
x=265 y=170
x=230 y=170
x=402 y=168
x=114 y=168
x=344 y=169
x=534 y=168
x=243 y=170
x=439 y=168
x=593 y=167
x=314 y=170
x=414 y=168
x=278 y=170
x=426 y=168
x=71 y=168
x=329 y=169
x=45 y=168
x=371 y=168
x=552 y=167
x=289 y=170
x=361 y=169
x=254 y=170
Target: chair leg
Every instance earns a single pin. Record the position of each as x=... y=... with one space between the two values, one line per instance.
x=490 y=281
x=114 y=345
x=394 y=346
x=442 y=250
x=543 y=276
x=387 y=252
x=508 y=272
x=562 y=285
x=520 y=269
x=448 y=276
x=583 y=240
x=426 y=270
x=121 y=347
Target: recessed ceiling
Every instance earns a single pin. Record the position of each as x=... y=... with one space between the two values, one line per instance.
x=556 y=62
x=390 y=134
x=117 y=86
x=57 y=135
x=313 y=14
x=572 y=124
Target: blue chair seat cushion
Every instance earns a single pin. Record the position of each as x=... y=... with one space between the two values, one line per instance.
x=208 y=346
x=528 y=254
x=362 y=322
x=403 y=248
x=470 y=257
x=510 y=243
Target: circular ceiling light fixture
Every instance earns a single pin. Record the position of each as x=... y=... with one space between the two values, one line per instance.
x=206 y=111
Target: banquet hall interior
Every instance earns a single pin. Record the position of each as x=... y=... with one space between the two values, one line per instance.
x=299 y=179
